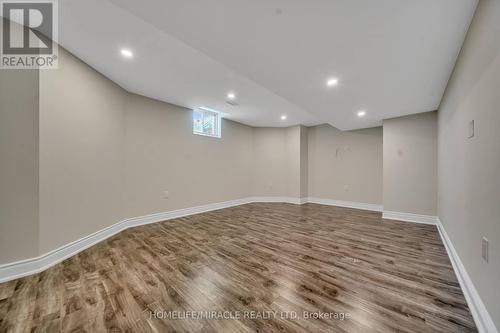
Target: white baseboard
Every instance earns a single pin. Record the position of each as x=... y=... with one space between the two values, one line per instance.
x=292 y=200
x=408 y=217
x=481 y=316
x=35 y=265
x=346 y=204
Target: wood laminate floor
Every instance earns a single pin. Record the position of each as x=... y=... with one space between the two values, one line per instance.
x=250 y=266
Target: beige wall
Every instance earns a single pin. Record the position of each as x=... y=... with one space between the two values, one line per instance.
x=82 y=132
x=410 y=164
x=18 y=164
x=292 y=166
x=304 y=162
x=162 y=154
x=280 y=162
x=345 y=166
x=270 y=173
x=469 y=169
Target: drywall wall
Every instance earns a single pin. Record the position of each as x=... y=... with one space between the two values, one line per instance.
x=292 y=167
x=269 y=176
x=410 y=164
x=345 y=166
x=469 y=168
x=82 y=131
x=304 y=162
x=18 y=164
x=168 y=167
x=280 y=162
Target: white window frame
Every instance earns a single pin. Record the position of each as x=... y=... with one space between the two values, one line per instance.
x=218 y=122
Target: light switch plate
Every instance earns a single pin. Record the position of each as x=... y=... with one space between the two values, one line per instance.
x=471 y=129
x=485 y=249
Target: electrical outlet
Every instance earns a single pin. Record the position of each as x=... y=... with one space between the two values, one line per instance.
x=485 y=249
x=471 y=129
x=166 y=194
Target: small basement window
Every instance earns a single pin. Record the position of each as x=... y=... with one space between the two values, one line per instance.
x=207 y=122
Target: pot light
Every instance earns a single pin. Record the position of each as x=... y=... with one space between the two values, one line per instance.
x=231 y=95
x=332 y=82
x=283 y=117
x=126 y=53
x=361 y=113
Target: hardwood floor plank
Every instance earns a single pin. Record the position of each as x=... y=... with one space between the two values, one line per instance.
x=282 y=260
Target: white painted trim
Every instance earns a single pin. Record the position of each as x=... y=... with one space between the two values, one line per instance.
x=477 y=308
x=303 y=201
x=408 y=217
x=35 y=265
x=291 y=200
x=346 y=204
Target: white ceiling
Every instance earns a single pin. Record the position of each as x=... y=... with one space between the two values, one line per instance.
x=392 y=57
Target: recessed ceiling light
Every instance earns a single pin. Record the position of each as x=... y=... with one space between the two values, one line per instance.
x=283 y=117
x=231 y=95
x=332 y=82
x=126 y=53
x=361 y=113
